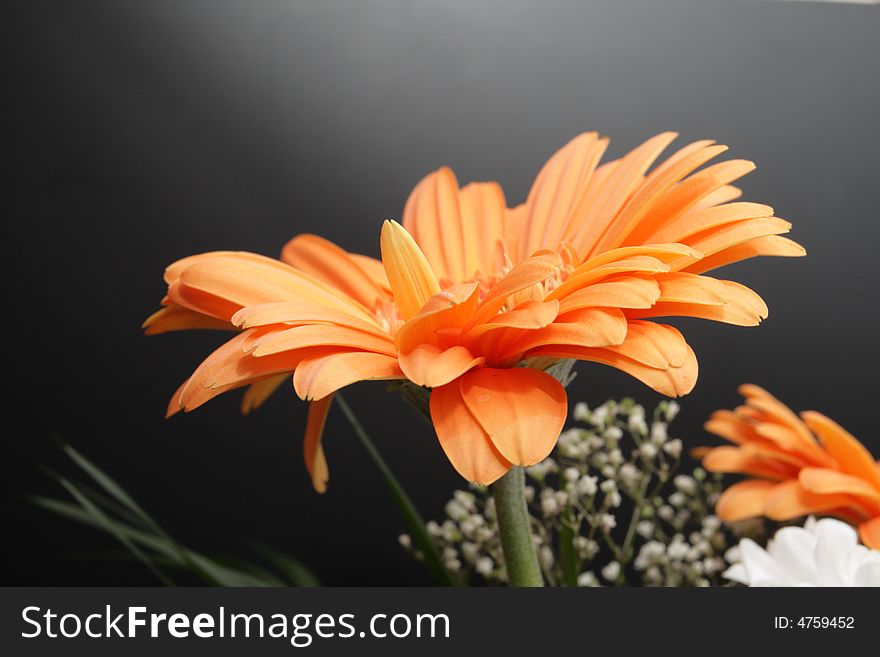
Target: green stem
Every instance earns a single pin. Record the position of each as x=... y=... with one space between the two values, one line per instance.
x=571 y=563
x=421 y=540
x=520 y=558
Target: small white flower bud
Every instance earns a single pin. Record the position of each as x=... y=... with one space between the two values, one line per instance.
x=405 y=541
x=612 y=571
x=685 y=484
x=673 y=448
x=587 y=485
x=586 y=548
x=455 y=510
x=613 y=433
x=549 y=505
x=645 y=529
x=581 y=412
x=600 y=415
x=587 y=579
x=571 y=474
x=628 y=475
x=607 y=522
x=711 y=524
x=484 y=566
x=658 y=433
x=677 y=499
x=470 y=551
x=561 y=498
x=453 y=565
x=636 y=422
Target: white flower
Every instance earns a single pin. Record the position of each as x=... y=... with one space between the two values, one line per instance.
x=821 y=553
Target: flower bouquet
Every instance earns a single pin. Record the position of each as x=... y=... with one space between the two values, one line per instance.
x=476 y=313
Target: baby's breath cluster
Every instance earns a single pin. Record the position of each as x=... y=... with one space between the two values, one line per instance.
x=607 y=508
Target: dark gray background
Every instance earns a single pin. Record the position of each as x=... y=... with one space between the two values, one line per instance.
x=137 y=133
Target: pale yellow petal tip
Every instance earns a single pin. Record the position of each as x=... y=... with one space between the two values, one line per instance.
x=238 y=319
x=410 y=276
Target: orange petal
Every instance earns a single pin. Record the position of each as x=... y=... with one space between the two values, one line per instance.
x=298 y=313
x=616 y=292
x=412 y=280
x=724 y=237
x=654 y=345
x=522 y=410
x=554 y=201
x=684 y=196
x=466 y=444
x=334 y=266
x=202 y=303
x=731 y=426
x=719 y=196
x=313 y=451
x=453 y=307
x=227 y=368
x=790 y=500
x=374 y=269
x=735 y=459
x=531 y=315
x=760 y=399
x=300 y=337
x=175 y=404
x=621 y=178
x=701 y=219
x=849 y=453
x=740 y=307
x=651 y=192
x=825 y=480
x=430 y=366
x=773 y=245
x=672 y=381
x=482 y=213
x=250 y=280
x=870 y=533
x=177 y=318
x=745 y=499
x=318 y=377
x=434 y=217
x=533 y=270
x=588 y=327
x=650 y=259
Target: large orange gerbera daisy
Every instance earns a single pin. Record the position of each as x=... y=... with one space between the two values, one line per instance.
x=804 y=465
x=473 y=299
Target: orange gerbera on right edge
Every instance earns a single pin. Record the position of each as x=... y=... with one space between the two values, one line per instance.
x=803 y=465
